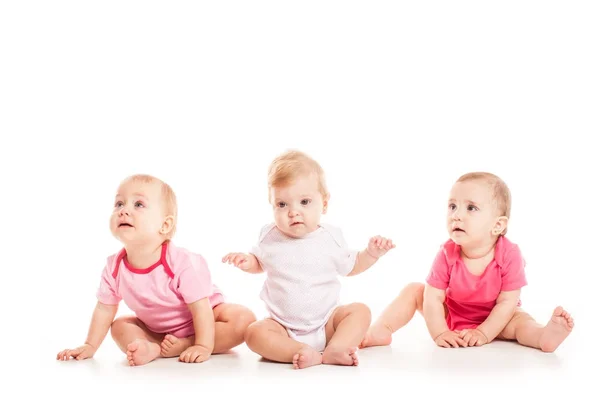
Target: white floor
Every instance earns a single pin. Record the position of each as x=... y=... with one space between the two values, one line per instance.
x=412 y=365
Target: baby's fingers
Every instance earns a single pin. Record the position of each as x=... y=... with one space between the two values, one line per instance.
x=72 y=353
x=185 y=356
x=239 y=259
x=61 y=355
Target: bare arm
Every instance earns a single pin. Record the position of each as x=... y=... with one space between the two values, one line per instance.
x=204 y=329
x=433 y=311
x=102 y=318
x=505 y=307
x=246 y=262
x=204 y=324
x=377 y=247
x=435 y=318
x=104 y=315
x=364 y=261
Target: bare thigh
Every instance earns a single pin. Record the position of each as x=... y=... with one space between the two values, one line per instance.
x=129 y=322
x=270 y=325
x=509 y=331
x=420 y=306
x=231 y=322
x=228 y=312
x=338 y=315
x=331 y=324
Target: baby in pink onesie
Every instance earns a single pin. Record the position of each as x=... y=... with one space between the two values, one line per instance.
x=178 y=310
x=472 y=292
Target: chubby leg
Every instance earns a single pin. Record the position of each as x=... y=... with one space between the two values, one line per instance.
x=397 y=314
x=270 y=339
x=134 y=339
x=527 y=332
x=231 y=321
x=345 y=329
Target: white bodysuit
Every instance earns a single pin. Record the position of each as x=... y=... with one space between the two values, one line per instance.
x=302 y=287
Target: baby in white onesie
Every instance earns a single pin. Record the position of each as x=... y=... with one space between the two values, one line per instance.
x=303 y=259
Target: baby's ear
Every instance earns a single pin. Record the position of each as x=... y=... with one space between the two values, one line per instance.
x=500 y=226
x=325 y=202
x=167 y=225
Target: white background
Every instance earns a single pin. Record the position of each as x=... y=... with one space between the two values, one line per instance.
x=395 y=100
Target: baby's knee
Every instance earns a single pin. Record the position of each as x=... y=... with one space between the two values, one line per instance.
x=418 y=289
x=251 y=332
x=415 y=288
x=359 y=308
x=243 y=320
x=119 y=325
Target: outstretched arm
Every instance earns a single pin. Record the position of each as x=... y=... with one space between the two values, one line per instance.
x=102 y=318
x=246 y=262
x=377 y=247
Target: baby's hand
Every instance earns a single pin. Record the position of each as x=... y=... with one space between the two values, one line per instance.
x=450 y=339
x=194 y=354
x=240 y=260
x=473 y=337
x=80 y=353
x=378 y=246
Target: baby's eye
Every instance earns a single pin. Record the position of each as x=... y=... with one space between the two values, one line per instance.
x=138 y=204
x=452 y=207
x=118 y=204
x=305 y=202
x=472 y=208
x=281 y=204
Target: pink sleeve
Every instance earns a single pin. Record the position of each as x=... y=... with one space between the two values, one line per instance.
x=513 y=271
x=194 y=282
x=439 y=274
x=107 y=291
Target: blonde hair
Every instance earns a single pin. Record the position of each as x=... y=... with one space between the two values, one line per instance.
x=500 y=191
x=168 y=197
x=292 y=164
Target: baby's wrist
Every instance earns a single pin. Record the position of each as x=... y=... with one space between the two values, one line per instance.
x=90 y=345
x=203 y=346
x=484 y=335
x=436 y=337
x=371 y=254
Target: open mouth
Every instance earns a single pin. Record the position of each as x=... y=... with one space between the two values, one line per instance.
x=125 y=225
x=458 y=230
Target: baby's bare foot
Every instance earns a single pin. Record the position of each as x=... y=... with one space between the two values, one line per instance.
x=172 y=346
x=140 y=352
x=344 y=356
x=556 y=331
x=307 y=357
x=377 y=335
